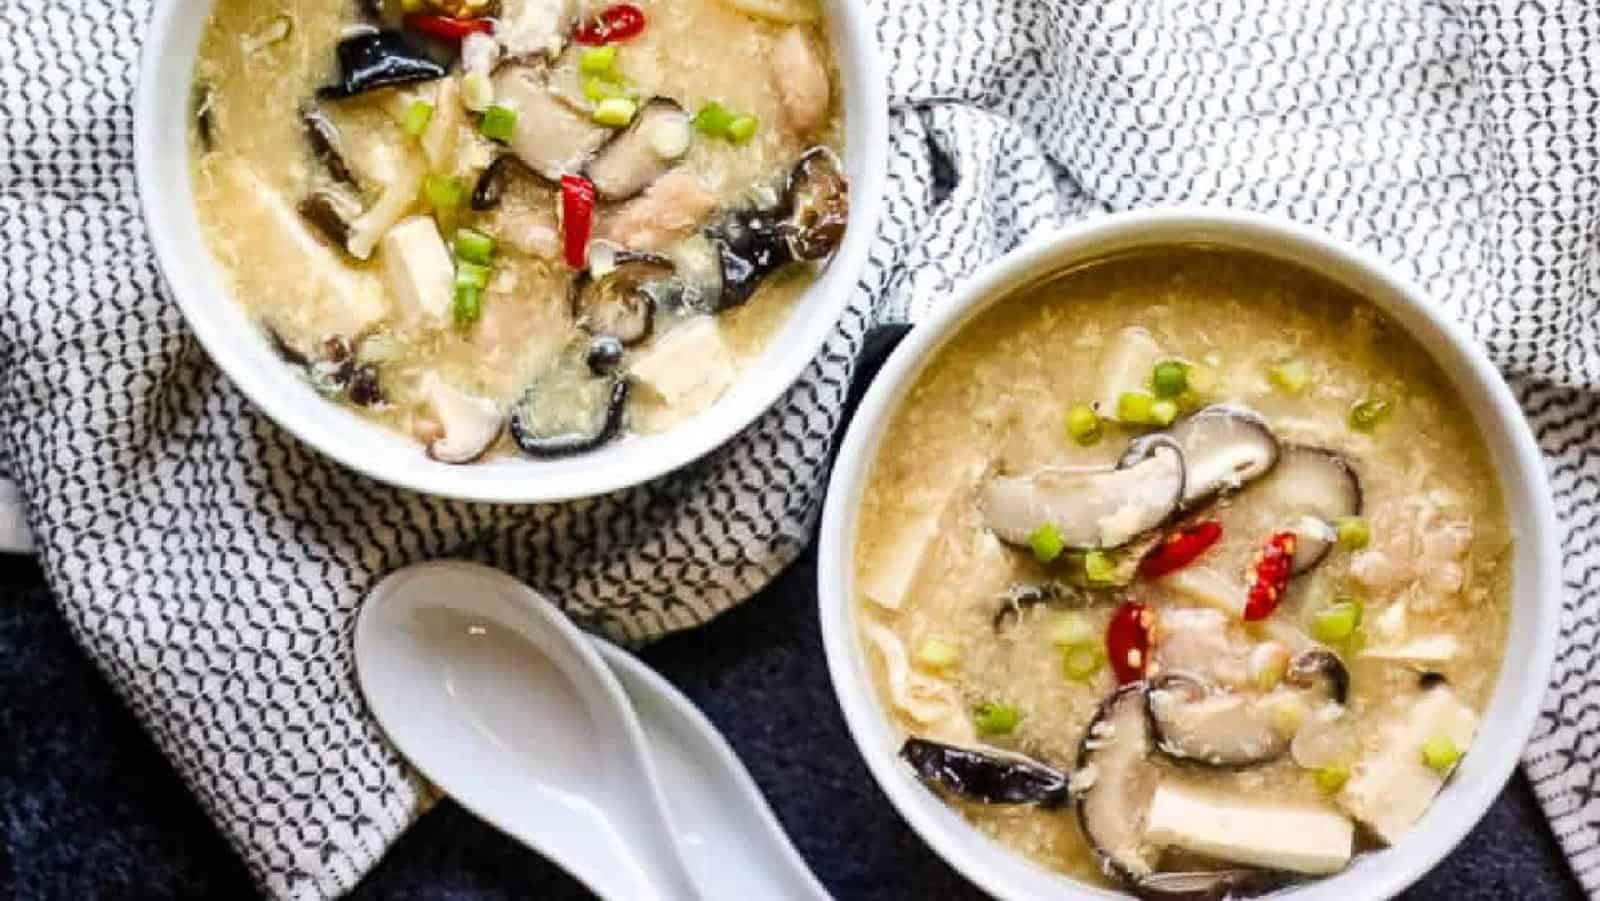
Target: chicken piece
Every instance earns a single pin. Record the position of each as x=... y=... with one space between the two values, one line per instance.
x=1380 y=570
x=802 y=81
x=1201 y=642
x=667 y=210
x=529 y=232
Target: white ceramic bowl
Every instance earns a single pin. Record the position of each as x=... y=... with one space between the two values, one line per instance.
x=1536 y=598
x=161 y=111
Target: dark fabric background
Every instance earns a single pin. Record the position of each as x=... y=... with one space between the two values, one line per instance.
x=90 y=810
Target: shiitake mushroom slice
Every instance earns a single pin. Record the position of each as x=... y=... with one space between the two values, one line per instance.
x=492 y=181
x=561 y=438
x=331 y=212
x=634 y=158
x=988 y=776
x=372 y=58
x=621 y=303
x=818 y=199
x=204 y=124
x=326 y=143
x=807 y=224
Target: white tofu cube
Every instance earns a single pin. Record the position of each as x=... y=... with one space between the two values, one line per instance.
x=1295 y=837
x=1391 y=788
x=689 y=367
x=418 y=269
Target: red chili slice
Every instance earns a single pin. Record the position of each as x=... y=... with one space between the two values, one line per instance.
x=1128 y=639
x=447 y=28
x=1272 y=576
x=1180 y=549
x=577 y=218
x=614 y=23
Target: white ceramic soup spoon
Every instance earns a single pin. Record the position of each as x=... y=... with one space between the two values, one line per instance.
x=611 y=773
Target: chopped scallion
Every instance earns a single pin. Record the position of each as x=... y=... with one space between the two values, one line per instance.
x=1073 y=628
x=1366 y=414
x=1082 y=661
x=1099 y=568
x=1354 y=533
x=1332 y=778
x=742 y=128
x=936 y=653
x=598 y=60
x=1170 y=378
x=1083 y=425
x=1291 y=377
x=1336 y=622
x=599 y=88
x=614 y=112
x=1134 y=407
x=713 y=119
x=443 y=192
x=468 y=304
x=474 y=246
x=1046 y=543
x=499 y=123
x=1440 y=754
x=471 y=275
x=1163 y=412
x=996 y=719
x=417 y=117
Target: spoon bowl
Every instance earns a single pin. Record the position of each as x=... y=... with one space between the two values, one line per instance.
x=565 y=742
x=500 y=701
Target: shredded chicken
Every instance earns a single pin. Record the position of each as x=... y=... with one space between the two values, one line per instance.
x=802 y=81
x=667 y=210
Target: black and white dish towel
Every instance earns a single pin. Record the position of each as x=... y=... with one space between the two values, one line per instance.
x=212 y=565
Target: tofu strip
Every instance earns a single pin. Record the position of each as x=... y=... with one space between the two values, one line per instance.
x=1297 y=838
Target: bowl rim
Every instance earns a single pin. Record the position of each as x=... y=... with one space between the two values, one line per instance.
x=358 y=445
x=1536 y=598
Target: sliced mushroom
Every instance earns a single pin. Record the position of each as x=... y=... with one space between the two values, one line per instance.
x=331 y=212
x=622 y=302
x=1194 y=720
x=1312 y=487
x=751 y=244
x=326 y=143
x=1090 y=508
x=656 y=141
x=541 y=432
x=551 y=137
x=818 y=199
x=1114 y=760
x=807 y=224
x=1210 y=885
x=471 y=424
x=1021 y=596
x=604 y=354
x=491 y=185
x=205 y=127
x=989 y=776
x=1224 y=446
x=377 y=58
x=1322 y=672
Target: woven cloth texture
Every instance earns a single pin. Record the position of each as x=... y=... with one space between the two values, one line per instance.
x=212 y=565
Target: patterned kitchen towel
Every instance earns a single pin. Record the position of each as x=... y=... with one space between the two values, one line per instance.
x=212 y=565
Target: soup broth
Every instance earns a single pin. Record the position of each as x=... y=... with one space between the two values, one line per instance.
x=454 y=215
x=999 y=625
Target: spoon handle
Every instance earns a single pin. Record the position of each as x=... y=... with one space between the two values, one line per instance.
x=727 y=835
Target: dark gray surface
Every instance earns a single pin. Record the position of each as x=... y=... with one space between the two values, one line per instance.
x=89 y=809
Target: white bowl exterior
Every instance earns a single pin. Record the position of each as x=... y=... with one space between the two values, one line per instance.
x=1536 y=600
x=161 y=155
